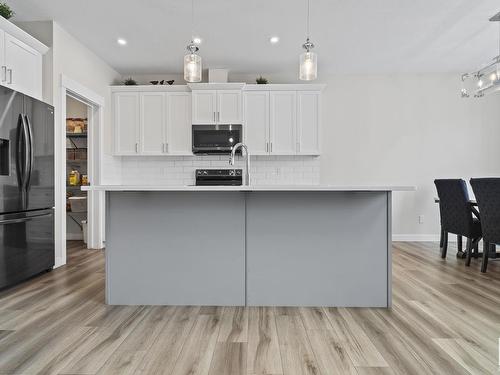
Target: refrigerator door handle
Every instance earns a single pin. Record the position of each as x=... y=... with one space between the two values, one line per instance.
x=31 y=148
x=22 y=148
x=24 y=219
x=26 y=153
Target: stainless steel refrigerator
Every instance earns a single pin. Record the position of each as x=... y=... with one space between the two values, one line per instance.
x=26 y=187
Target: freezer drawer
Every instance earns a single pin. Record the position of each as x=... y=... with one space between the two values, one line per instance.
x=26 y=245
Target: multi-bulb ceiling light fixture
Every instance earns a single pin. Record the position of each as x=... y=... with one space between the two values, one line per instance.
x=192 y=61
x=308 y=60
x=487 y=79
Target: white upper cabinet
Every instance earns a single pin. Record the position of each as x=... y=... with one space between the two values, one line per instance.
x=204 y=107
x=217 y=107
x=283 y=123
x=229 y=107
x=157 y=120
x=152 y=124
x=23 y=66
x=256 y=124
x=126 y=111
x=20 y=60
x=178 y=141
x=308 y=122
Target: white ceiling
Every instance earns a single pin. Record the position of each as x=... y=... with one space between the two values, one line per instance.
x=352 y=36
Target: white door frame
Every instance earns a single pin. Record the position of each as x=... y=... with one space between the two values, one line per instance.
x=94 y=144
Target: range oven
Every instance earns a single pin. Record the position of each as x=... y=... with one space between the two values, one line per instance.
x=218 y=177
x=216 y=139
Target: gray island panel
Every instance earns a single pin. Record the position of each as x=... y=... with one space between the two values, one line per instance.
x=175 y=248
x=317 y=249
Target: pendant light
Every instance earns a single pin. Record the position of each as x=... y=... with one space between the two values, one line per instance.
x=308 y=60
x=192 y=61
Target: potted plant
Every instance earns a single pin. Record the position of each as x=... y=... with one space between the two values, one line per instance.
x=130 y=82
x=261 y=80
x=5 y=11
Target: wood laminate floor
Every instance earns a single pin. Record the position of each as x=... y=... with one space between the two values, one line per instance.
x=445 y=320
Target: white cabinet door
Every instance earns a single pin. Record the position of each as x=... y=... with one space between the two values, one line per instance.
x=256 y=124
x=308 y=122
x=229 y=107
x=179 y=123
x=152 y=122
x=204 y=107
x=126 y=122
x=24 y=67
x=283 y=115
x=3 y=70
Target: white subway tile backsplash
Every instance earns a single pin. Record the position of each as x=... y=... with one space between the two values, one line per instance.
x=180 y=170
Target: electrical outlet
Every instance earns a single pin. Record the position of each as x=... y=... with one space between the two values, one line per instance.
x=420 y=219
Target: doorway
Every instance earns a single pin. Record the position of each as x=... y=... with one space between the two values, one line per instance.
x=78 y=150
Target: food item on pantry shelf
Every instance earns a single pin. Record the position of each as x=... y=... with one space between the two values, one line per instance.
x=70 y=125
x=76 y=125
x=85 y=179
x=74 y=178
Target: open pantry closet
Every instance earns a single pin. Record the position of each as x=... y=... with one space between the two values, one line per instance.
x=76 y=168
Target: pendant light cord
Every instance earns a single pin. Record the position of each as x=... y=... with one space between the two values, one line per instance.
x=192 y=19
x=308 y=16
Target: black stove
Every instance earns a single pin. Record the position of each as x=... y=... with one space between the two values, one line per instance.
x=219 y=177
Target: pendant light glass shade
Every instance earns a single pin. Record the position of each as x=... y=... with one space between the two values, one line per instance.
x=308 y=66
x=192 y=64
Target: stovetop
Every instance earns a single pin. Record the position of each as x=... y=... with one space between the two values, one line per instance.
x=217 y=177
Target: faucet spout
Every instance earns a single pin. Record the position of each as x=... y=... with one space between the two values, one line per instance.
x=247 y=156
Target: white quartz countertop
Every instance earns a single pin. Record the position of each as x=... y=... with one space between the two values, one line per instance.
x=250 y=188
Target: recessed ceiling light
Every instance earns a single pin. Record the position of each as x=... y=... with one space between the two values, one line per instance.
x=197 y=40
x=121 y=41
x=274 y=39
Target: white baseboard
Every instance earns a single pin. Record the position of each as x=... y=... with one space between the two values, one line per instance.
x=421 y=237
x=74 y=236
x=59 y=261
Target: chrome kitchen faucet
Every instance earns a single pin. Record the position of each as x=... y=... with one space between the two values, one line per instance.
x=247 y=155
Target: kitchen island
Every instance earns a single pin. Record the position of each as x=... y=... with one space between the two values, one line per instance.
x=249 y=245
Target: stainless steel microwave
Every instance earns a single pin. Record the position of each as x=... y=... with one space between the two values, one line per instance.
x=215 y=139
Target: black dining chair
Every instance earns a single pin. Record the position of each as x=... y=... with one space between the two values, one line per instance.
x=487 y=192
x=457 y=215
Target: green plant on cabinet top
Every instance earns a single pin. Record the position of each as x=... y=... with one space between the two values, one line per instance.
x=5 y=11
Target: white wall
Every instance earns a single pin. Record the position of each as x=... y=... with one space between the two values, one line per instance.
x=408 y=129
